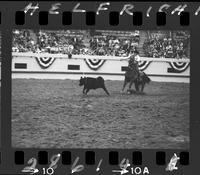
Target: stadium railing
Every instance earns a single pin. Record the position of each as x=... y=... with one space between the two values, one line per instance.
x=114 y=58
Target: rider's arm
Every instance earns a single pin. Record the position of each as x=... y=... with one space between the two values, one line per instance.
x=137 y=58
x=125 y=58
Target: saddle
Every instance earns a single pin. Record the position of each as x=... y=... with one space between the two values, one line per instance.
x=132 y=74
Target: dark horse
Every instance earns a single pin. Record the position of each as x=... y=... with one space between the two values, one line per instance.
x=141 y=81
x=138 y=78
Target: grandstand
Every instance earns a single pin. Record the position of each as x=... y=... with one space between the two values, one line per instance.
x=104 y=42
x=167 y=44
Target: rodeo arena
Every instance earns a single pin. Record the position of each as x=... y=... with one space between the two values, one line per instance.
x=76 y=89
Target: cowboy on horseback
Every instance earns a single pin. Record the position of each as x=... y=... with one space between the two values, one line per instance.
x=133 y=69
x=133 y=62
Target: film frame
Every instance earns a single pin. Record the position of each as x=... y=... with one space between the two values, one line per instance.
x=13 y=160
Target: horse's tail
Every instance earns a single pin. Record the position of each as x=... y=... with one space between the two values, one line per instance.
x=146 y=78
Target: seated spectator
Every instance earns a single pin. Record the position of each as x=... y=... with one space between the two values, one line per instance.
x=103 y=43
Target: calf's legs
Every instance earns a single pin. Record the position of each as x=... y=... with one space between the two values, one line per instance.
x=104 y=88
x=87 y=90
x=84 y=90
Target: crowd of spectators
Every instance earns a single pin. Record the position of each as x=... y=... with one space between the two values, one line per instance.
x=73 y=43
x=51 y=42
x=167 y=47
x=113 y=45
x=79 y=42
x=22 y=41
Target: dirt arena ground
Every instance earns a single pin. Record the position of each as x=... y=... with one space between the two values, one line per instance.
x=55 y=114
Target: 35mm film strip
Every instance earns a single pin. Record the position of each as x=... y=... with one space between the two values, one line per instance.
x=99 y=87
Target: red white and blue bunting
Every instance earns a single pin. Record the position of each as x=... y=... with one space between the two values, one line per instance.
x=94 y=64
x=45 y=62
x=179 y=66
x=143 y=65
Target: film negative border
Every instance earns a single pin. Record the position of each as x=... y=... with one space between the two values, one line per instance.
x=90 y=17
x=161 y=14
x=134 y=163
x=66 y=157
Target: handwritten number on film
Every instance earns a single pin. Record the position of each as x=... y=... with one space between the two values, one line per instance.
x=78 y=168
x=49 y=171
x=53 y=165
x=54 y=160
x=32 y=168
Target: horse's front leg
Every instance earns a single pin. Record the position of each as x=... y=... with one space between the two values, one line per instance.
x=142 y=88
x=136 y=86
x=124 y=85
x=131 y=82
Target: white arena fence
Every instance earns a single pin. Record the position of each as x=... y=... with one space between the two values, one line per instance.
x=60 y=66
x=99 y=57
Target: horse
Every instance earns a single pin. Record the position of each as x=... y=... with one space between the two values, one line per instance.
x=138 y=78
x=130 y=77
x=141 y=81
